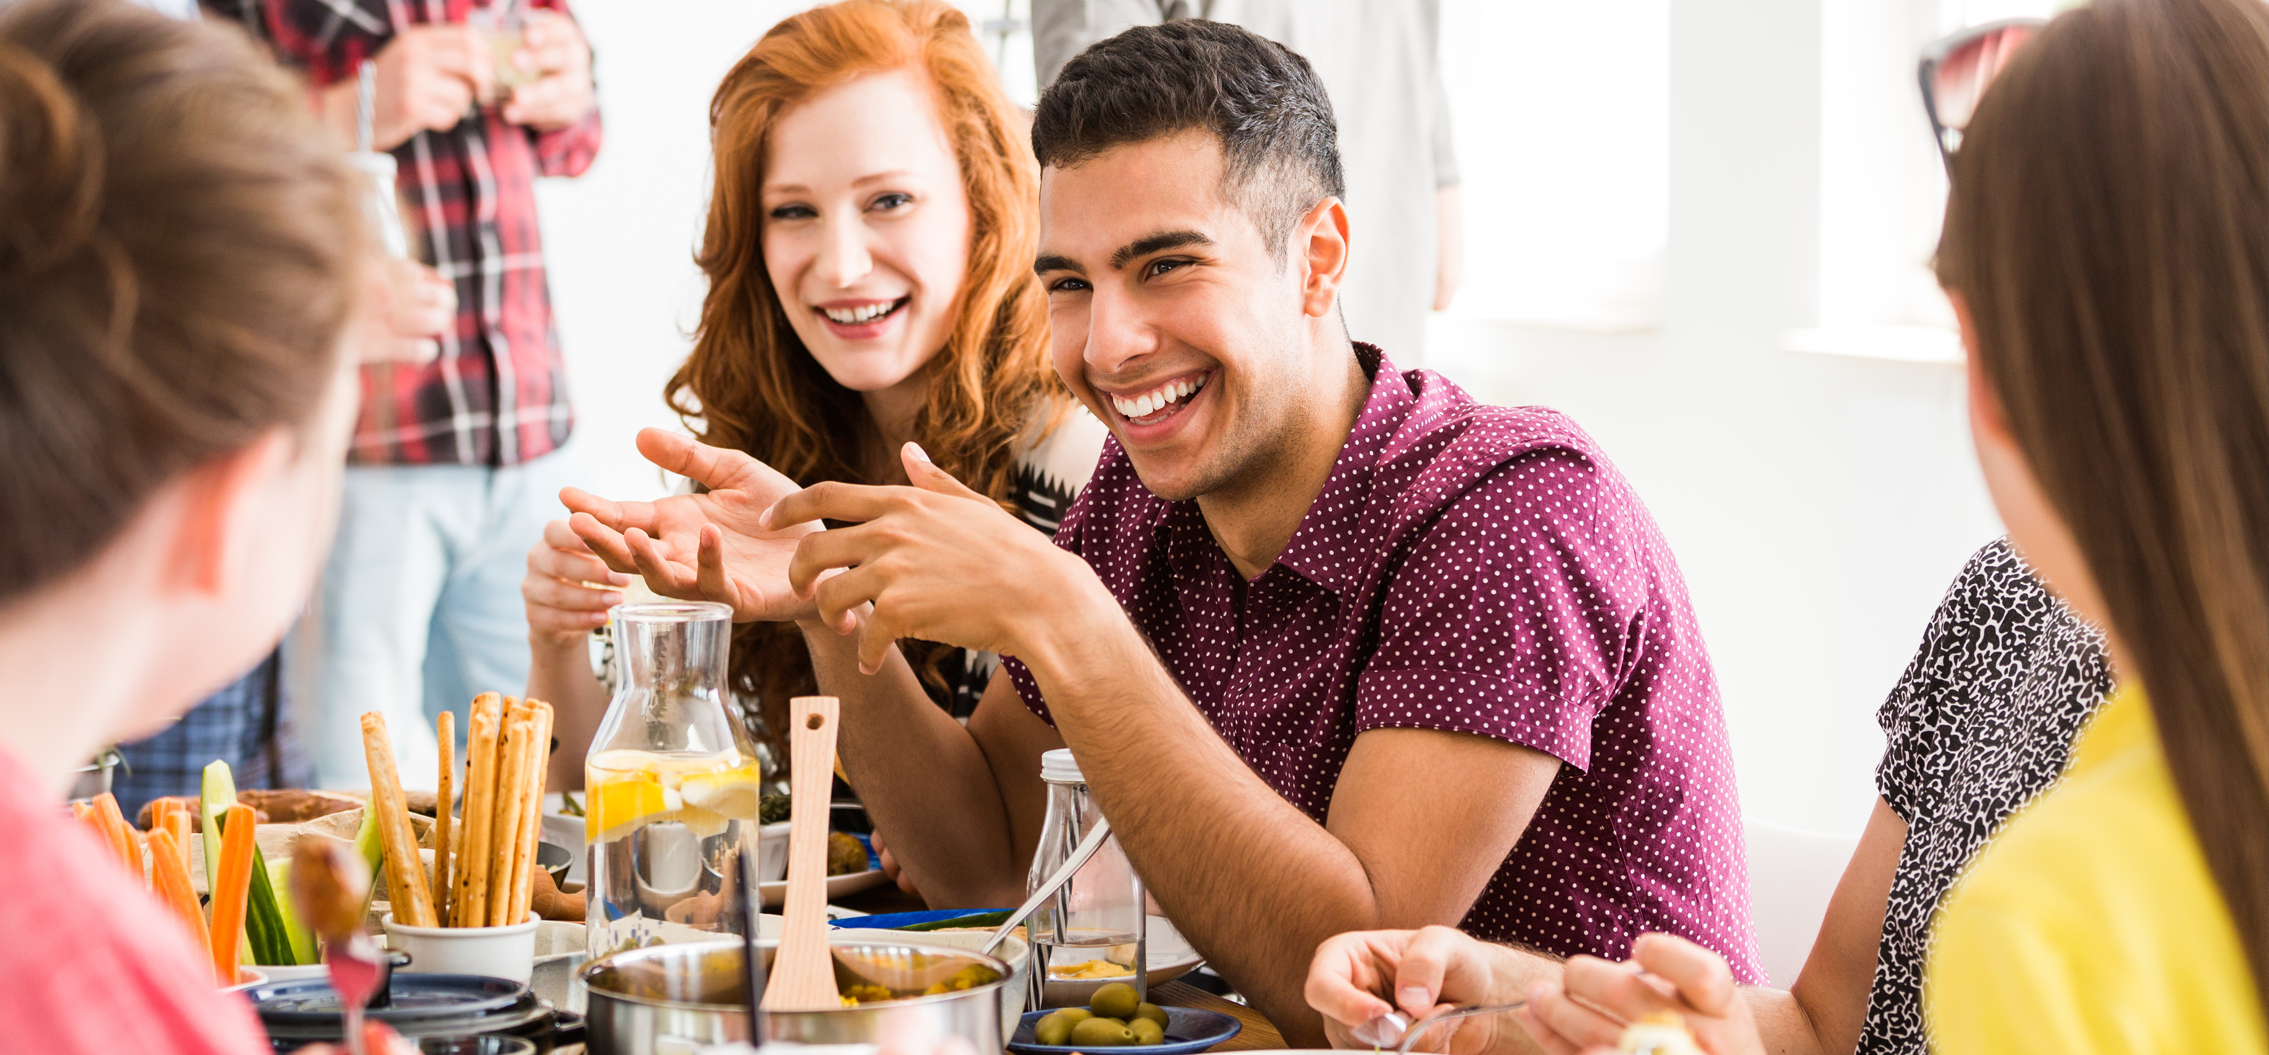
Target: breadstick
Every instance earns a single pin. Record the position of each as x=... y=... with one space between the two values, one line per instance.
x=471 y=906
x=542 y=770
x=405 y=873
x=532 y=814
x=516 y=872
x=445 y=734
x=511 y=783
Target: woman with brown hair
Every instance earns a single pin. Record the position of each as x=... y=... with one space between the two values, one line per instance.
x=869 y=254
x=181 y=251
x=2106 y=247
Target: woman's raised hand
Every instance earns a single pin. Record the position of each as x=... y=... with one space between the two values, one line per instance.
x=560 y=591
x=701 y=547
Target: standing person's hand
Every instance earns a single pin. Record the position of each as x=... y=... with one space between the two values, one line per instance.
x=701 y=547
x=429 y=77
x=561 y=606
x=1595 y=999
x=552 y=47
x=412 y=305
x=1425 y=970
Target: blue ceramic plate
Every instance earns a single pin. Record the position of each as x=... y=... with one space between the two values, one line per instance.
x=1187 y=1030
x=895 y=920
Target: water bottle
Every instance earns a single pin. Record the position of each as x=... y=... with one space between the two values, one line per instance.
x=1093 y=929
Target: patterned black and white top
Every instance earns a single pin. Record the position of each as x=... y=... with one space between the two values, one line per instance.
x=1981 y=723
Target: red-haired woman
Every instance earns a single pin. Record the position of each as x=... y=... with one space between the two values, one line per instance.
x=869 y=254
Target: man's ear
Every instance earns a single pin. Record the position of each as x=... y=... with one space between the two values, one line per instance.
x=217 y=509
x=1322 y=240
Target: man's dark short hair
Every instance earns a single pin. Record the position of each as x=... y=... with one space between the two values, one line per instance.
x=1263 y=102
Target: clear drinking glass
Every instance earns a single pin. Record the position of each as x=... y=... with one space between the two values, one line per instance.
x=504 y=29
x=1093 y=929
x=669 y=795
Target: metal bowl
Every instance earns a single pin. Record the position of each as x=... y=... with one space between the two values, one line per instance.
x=663 y=997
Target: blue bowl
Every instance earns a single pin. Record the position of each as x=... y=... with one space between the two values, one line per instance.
x=1188 y=1030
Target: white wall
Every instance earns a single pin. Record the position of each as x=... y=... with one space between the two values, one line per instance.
x=1819 y=505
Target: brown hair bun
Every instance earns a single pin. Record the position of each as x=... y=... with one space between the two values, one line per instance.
x=49 y=177
x=180 y=243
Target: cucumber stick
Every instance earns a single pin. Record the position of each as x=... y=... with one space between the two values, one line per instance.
x=264 y=920
x=302 y=939
x=372 y=849
x=219 y=793
x=265 y=935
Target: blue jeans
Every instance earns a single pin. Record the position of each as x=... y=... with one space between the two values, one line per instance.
x=420 y=607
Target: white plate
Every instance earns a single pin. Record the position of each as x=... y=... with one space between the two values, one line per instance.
x=775 y=894
x=1167 y=952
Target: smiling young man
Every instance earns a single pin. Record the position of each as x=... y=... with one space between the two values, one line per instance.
x=1337 y=647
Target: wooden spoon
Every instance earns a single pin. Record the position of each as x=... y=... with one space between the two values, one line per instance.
x=803 y=972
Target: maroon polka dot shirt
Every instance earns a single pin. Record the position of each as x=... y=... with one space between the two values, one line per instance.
x=1476 y=569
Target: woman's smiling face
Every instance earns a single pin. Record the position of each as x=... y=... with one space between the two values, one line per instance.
x=866 y=228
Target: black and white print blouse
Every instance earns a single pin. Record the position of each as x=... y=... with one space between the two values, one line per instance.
x=1981 y=723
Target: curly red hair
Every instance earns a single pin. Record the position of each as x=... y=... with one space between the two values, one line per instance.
x=751 y=385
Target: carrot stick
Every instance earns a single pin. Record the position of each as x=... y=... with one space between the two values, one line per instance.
x=169 y=873
x=82 y=811
x=445 y=733
x=471 y=906
x=405 y=872
x=120 y=834
x=232 y=889
x=178 y=821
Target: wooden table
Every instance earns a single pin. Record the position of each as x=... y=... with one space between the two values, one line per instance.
x=1259 y=1034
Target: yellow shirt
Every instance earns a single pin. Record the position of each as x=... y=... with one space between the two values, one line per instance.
x=2090 y=924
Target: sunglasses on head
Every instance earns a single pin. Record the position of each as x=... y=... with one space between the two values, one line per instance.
x=1956 y=70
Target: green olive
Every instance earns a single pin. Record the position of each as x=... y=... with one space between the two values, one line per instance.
x=1116 y=1000
x=1053 y=1030
x=1153 y=1012
x=1076 y=1015
x=1147 y=1032
x=1102 y=1032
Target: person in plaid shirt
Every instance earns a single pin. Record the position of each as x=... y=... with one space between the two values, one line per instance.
x=455 y=462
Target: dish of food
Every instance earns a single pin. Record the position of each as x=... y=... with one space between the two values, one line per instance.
x=1170 y=955
x=1185 y=1030
x=1117 y=1017
x=1661 y=1033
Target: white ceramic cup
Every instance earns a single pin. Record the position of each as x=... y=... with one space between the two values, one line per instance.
x=498 y=952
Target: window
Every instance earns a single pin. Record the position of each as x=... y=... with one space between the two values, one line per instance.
x=1882 y=186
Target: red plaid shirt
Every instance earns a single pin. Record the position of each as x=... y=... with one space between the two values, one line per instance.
x=498 y=393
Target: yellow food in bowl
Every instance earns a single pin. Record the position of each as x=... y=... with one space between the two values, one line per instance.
x=1091 y=969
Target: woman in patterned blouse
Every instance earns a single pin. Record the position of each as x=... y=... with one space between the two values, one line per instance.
x=1981 y=723
x=869 y=254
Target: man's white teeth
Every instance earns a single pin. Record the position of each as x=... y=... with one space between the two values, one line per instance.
x=866 y=313
x=1159 y=398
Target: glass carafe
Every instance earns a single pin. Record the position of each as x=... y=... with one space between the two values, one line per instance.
x=1093 y=929
x=669 y=796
